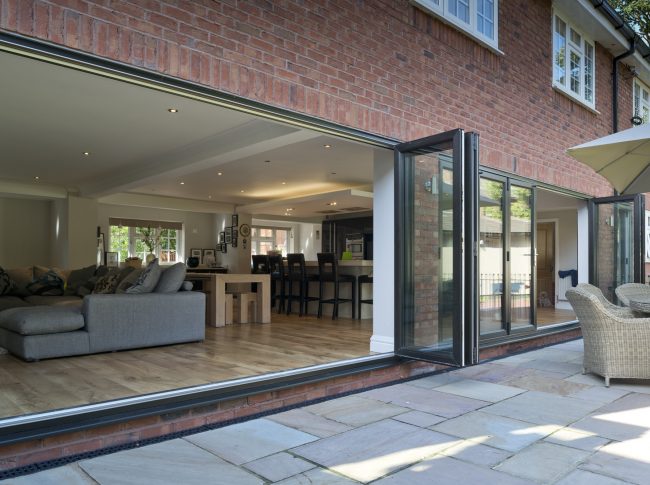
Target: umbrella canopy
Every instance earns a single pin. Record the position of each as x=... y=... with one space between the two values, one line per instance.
x=623 y=158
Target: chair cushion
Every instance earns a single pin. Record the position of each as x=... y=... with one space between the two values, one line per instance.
x=38 y=320
x=147 y=280
x=171 y=279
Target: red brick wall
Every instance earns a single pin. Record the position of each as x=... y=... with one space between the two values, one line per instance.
x=380 y=66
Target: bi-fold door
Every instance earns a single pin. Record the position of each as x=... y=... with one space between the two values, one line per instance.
x=436 y=248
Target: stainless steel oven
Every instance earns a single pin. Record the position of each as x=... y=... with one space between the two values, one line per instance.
x=354 y=244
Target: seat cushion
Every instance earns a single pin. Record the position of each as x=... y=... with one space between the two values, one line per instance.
x=39 y=320
x=171 y=279
x=148 y=279
x=21 y=278
x=43 y=300
x=78 y=278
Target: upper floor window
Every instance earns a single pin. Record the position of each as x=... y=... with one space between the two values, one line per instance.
x=641 y=101
x=479 y=18
x=136 y=238
x=573 y=61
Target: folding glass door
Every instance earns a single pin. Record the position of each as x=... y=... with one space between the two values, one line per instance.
x=433 y=308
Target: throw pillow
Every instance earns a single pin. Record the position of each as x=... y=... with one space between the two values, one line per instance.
x=171 y=279
x=77 y=278
x=47 y=284
x=6 y=284
x=107 y=283
x=187 y=286
x=21 y=278
x=147 y=280
x=129 y=280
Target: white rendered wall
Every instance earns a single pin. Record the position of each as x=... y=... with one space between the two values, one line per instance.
x=383 y=311
x=583 y=245
x=25 y=232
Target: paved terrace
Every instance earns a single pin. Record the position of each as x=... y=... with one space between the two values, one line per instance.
x=529 y=418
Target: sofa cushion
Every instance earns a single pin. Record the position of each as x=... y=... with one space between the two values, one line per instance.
x=9 y=301
x=171 y=279
x=21 y=278
x=46 y=281
x=39 y=320
x=6 y=285
x=129 y=281
x=107 y=283
x=147 y=280
x=187 y=286
x=77 y=278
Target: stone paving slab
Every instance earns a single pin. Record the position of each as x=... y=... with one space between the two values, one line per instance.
x=251 y=440
x=375 y=450
x=355 y=411
x=581 y=477
x=318 y=476
x=483 y=391
x=628 y=461
x=574 y=438
x=279 y=466
x=309 y=423
x=418 y=418
x=68 y=475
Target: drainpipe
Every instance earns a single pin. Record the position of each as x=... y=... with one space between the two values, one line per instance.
x=629 y=52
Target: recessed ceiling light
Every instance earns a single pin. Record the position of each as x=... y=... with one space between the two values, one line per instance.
x=332 y=203
x=289 y=209
x=284 y=183
x=182 y=183
x=327 y=146
x=242 y=191
x=219 y=174
x=37 y=178
x=173 y=110
x=209 y=196
x=332 y=173
x=85 y=154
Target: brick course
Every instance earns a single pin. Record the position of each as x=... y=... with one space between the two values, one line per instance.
x=379 y=66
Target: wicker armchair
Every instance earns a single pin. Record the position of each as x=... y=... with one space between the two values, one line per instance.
x=594 y=290
x=630 y=290
x=615 y=346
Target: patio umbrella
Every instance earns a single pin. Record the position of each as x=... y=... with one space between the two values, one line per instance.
x=623 y=158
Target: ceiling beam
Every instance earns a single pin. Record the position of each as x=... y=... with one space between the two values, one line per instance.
x=170 y=203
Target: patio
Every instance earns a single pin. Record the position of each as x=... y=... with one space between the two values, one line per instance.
x=528 y=418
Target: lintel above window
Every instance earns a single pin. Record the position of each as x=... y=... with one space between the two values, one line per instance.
x=478 y=18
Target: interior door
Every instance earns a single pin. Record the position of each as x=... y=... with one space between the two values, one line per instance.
x=617 y=242
x=434 y=321
x=546 y=263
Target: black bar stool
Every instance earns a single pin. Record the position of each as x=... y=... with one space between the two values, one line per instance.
x=297 y=274
x=363 y=279
x=278 y=279
x=328 y=269
x=260 y=266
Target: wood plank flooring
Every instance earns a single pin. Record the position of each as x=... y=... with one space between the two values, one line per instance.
x=229 y=352
x=549 y=316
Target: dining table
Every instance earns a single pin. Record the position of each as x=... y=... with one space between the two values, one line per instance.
x=640 y=303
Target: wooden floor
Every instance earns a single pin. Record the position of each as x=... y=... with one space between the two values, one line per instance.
x=229 y=352
x=549 y=316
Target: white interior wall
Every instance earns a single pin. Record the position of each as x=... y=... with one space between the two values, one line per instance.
x=383 y=308
x=237 y=260
x=59 y=233
x=82 y=232
x=26 y=232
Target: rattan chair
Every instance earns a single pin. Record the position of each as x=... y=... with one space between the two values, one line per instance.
x=630 y=290
x=594 y=290
x=615 y=346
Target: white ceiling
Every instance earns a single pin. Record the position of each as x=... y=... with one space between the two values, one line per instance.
x=54 y=114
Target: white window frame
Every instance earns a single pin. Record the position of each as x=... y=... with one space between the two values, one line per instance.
x=440 y=8
x=257 y=239
x=580 y=51
x=134 y=236
x=641 y=106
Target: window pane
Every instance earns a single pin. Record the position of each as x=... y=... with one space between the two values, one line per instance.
x=460 y=9
x=266 y=232
x=575 y=72
x=559 y=52
x=589 y=72
x=485 y=17
x=575 y=38
x=520 y=255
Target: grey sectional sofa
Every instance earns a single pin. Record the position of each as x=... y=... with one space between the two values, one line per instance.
x=103 y=323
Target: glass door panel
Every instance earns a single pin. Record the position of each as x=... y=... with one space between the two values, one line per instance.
x=617 y=242
x=429 y=323
x=491 y=256
x=521 y=255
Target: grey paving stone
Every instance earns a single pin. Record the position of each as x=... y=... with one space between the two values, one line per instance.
x=355 y=411
x=476 y=453
x=543 y=462
x=418 y=418
x=553 y=385
x=309 y=423
x=248 y=441
x=426 y=400
x=515 y=359
x=500 y=432
x=279 y=466
x=599 y=394
x=543 y=408
x=566 y=368
x=171 y=462
x=629 y=461
x=624 y=419
x=372 y=451
x=317 y=476
x=496 y=372
x=577 y=439
x=483 y=391
x=68 y=475
x=556 y=354
x=581 y=477
x=442 y=470
x=430 y=382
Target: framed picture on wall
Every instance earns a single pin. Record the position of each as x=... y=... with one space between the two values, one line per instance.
x=235 y=220
x=112 y=260
x=196 y=253
x=209 y=258
x=228 y=237
x=222 y=237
